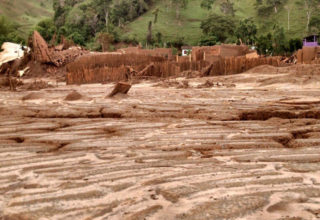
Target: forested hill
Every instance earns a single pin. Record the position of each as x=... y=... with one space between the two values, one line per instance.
x=265 y=14
x=169 y=22
x=182 y=20
x=25 y=13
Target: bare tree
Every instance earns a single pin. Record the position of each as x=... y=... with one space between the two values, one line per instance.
x=311 y=6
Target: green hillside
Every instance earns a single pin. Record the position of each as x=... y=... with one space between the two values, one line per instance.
x=189 y=25
x=26 y=13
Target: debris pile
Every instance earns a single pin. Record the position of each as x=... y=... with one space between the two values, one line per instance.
x=37 y=85
x=56 y=56
x=107 y=67
x=38 y=59
x=158 y=52
x=211 y=53
x=309 y=55
x=73 y=96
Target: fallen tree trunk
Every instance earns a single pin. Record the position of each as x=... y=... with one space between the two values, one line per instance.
x=146 y=70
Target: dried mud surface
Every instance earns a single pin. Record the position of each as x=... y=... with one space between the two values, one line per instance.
x=250 y=151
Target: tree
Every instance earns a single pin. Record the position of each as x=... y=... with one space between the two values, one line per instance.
x=311 y=6
x=221 y=27
x=279 y=39
x=8 y=32
x=288 y=8
x=264 y=44
x=156 y=13
x=77 y=38
x=295 y=44
x=227 y=8
x=264 y=8
x=206 y=40
x=246 y=31
x=159 y=37
x=46 y=28
x=275 y=4
x=178 y=5
x=207 y=4
x=149 y=35
x=103 y=9
x=315 y=24
x=104 y=39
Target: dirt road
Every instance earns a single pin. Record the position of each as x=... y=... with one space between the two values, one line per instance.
x=246 y=148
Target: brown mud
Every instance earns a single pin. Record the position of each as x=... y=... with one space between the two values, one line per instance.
x=250 y=151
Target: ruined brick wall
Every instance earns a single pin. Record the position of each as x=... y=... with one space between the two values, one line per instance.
x=40 y=48
x=45 y=55
x=111 y=67
x=106 y=67
x=163 y=52
x=208 y=53
x=308 y=55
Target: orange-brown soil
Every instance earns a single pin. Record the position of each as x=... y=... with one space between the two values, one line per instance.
x=202 y=151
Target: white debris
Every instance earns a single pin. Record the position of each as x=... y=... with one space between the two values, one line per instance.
x=21 y=72
x=11 y=51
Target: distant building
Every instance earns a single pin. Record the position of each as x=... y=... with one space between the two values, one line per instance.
x=311 y=41
x=186 y=50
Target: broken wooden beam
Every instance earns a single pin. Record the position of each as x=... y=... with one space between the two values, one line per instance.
x=120 y=87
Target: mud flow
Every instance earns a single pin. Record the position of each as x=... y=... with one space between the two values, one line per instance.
x=240 y=146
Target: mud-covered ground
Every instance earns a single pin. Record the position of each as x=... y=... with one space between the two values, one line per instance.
x=229 y=147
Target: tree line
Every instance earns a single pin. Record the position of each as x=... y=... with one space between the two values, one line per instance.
x=99 y=24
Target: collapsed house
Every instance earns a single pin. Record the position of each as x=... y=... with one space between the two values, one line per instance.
x=102 y=68
x=54 y=55
x=213 y=53
x=38 y=57
x=160 y=52
x=81 y=66
x=309 y=55
x=10 y=52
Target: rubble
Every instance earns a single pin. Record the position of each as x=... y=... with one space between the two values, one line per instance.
x=206 y=71
x=37 y=85
x=212 y=53
x=40 y=49
x=11 y=51
x=32 y=96
x=120 y=87
x=308 y=55
x=102 y=68
x=56 y=56
x=73 y=96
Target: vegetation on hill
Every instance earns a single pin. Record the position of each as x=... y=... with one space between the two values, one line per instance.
x=25 y=14
x=291 y=15
x=274 y=26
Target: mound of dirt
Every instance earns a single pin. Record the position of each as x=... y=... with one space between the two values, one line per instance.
x=37 y=85
x=173 y=83
x=206 y=84
x=189 y=74
x=5 y=82
x=265 y=69
x=73 y=96
x=295 y=74
x=32 y=96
